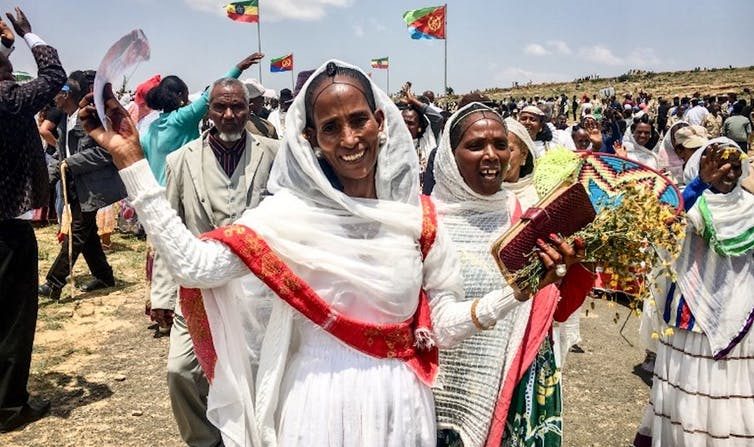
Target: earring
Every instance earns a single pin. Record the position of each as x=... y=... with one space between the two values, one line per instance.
x=381 y=138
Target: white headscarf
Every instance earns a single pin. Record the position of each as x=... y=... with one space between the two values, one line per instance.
x=352 y=251
x=644 y=155
x=667 y=158
x=523 y=188
x=451 y=189
x=718 y=287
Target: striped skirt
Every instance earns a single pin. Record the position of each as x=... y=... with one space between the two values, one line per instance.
x=697 y=401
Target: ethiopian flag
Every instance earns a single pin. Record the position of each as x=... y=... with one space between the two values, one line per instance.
x=426 y=23
x=243 y=11
x=382 y=63
x=280 y=64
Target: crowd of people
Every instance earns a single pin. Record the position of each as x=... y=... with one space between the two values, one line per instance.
x=321 y=257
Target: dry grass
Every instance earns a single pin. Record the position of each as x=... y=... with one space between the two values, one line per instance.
x=666 y=84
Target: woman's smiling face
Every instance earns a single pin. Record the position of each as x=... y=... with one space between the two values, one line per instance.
x=482 y=156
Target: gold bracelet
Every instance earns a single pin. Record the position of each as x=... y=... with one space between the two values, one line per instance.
x=474 y=319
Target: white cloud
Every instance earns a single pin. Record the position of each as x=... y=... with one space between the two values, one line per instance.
x=600 y=54
x=536 y=49
x=523 y=76
x=379 y=27
x=358 y=30
x=643 y=58
x=279 y=9
x=559 y=46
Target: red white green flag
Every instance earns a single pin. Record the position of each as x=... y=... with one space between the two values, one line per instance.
x=381 y=63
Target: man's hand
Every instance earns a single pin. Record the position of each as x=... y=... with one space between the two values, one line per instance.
x=711 y=167
x=122 y=141
x=163 y=317
x=249 y=61
x=20 y=22
x=6 y=35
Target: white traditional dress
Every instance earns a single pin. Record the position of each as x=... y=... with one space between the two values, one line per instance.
x=361 y=257
x=703 y=388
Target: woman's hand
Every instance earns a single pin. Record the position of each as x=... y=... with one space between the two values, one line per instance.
x=122 y=141
x=619 y=149
x=558 y=256
x=250 y=60
x=712 y=167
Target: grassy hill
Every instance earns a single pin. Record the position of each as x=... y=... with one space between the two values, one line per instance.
x=666 y=84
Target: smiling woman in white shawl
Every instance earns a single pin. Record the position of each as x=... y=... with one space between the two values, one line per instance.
x=348 y=357
x=703 y=388
x=502 y=382
x=637 y=143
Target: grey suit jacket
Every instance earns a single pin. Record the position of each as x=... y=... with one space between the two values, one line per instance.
x=95 y=177
x=187 y=194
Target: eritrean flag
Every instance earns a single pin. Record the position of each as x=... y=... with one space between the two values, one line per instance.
x=243 y=11
x=382 y=63
x=426 y=23
x=280 y=64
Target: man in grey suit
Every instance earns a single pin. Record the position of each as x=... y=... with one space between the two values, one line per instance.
x=92 y=182
x=210 y=182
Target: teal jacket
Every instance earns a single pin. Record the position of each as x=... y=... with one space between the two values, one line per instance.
x=172 y=130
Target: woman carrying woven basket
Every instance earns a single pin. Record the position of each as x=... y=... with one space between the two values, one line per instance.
x=501 y=386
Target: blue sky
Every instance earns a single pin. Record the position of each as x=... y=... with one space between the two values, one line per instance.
x=490 y=43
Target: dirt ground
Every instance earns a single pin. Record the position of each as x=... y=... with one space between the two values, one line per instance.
x=104 y=370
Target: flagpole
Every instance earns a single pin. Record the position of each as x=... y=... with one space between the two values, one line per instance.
x=259 y=40
x=388 y=77
x=445 y=27
x=293 y=82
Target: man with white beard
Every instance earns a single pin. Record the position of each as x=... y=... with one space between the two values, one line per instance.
x=210 y=182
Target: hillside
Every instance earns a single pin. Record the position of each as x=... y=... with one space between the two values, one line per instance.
x=666 y=84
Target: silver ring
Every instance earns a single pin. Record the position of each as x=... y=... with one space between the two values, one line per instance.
x=561 y=270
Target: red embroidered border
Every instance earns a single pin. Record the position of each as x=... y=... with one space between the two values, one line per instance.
x=381 y=341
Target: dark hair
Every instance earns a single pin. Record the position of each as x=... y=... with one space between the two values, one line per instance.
x=472 y=97
x=330 y=72
x=167 y=96
x=402 y=106
x=644 y=119
x=79 y=83
x=528 y=166
x=738 y=107
x=544 y=134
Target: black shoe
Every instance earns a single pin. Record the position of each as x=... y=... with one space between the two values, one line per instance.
x=49 y=291
x=97 y=284
x=577 y=349
x=30 y=412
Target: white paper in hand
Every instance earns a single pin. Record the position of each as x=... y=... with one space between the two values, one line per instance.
x=126 y=53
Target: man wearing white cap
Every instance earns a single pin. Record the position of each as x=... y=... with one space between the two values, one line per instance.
x=256 y=124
